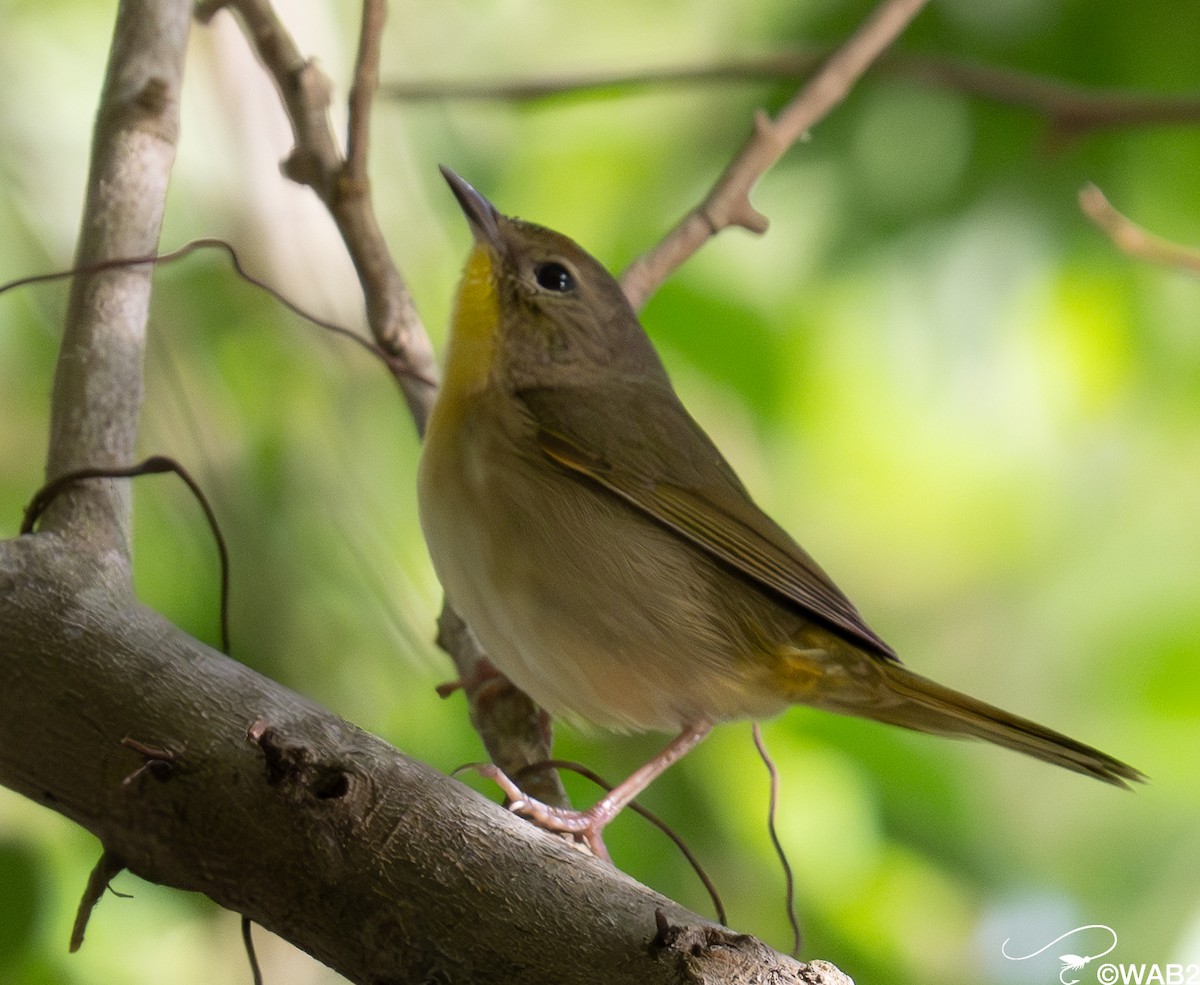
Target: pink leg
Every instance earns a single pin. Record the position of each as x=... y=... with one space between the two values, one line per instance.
x=588 y=825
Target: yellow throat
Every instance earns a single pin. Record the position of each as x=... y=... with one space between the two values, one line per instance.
x=472 y=342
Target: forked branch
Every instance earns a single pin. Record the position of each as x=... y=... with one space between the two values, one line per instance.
x=728 y=203
x=340 y=181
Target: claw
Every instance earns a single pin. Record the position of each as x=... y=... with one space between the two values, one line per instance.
x=587 y=826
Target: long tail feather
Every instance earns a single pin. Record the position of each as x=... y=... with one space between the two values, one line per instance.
x=929 y=707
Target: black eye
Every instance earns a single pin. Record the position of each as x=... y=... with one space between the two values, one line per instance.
x=554 y=277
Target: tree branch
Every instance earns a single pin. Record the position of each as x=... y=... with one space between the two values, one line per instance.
x=377 y=865
x=98 y=380
x=317 y=161
x=728 y=203
x=362 y=93
x=105 y=870
x=1133 y=240
x=1069 y=109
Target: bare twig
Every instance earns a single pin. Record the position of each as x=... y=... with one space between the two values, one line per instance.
x=728 y=203
x=251 y=957
x=158 y=763
x=362 y=92
x=395 y=364
x=316 y=160
x=155 y=464
x=1069 y=109
x=105 y=870
x=1131 y=239
x=797 y=65
x=789 y=879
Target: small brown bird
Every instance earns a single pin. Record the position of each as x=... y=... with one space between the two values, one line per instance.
x=608 y=558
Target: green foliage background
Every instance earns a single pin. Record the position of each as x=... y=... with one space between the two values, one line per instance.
x=974 y=412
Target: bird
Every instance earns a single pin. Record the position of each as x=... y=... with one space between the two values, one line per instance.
x=606 y=556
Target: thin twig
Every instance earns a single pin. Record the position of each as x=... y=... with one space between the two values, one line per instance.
x=1069 y=109
x=1133 y=240
x=772 y=806
x=316 y=160
x=158 y=763
x=105 y=870
x=396 y=366
x=728 y=203
x=155 y=464
x=248 y=943
x=362 y=92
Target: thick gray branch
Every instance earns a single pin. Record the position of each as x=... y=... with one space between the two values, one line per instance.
x=377 y=865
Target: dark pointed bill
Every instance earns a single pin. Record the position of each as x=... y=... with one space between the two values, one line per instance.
x=480 y=213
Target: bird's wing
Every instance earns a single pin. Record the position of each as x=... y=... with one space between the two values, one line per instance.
x=646 y=449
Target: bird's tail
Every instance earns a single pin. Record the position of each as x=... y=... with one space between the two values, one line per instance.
x=918 y=703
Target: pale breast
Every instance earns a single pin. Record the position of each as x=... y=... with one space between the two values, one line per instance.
x=593 y=610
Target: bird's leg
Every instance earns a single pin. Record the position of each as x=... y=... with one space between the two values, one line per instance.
x=587 y=826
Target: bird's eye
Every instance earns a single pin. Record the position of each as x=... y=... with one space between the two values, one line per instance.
x=555 y=277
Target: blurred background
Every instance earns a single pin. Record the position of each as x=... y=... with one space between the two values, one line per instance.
x=973 y=411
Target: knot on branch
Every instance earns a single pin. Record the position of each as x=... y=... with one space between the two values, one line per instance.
x=154 y=97
x=296 y=766
x=307 y=168
x=158 y=763
x=147 y=109
x=706 y=954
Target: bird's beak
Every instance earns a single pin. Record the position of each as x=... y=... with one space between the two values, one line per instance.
x=480 y=213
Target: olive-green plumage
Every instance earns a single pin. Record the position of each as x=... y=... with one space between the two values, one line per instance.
x=602 y=550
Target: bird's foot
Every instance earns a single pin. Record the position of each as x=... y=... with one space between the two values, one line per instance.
x=586 y=826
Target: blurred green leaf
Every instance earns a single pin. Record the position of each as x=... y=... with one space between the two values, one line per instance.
x=21 y=901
